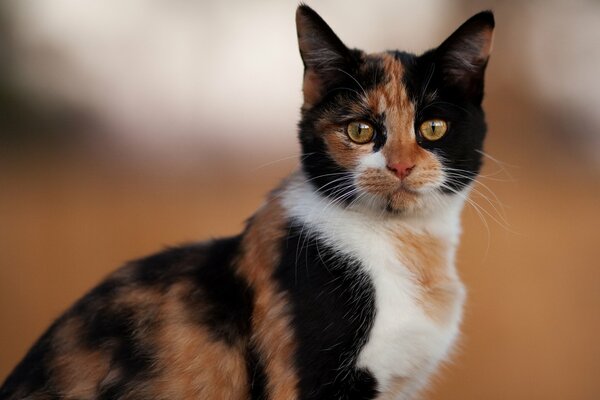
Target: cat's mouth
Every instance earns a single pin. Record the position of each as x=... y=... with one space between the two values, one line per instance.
x=403 y=197
x=396 y=195
x=403 y=187
x=383 y=184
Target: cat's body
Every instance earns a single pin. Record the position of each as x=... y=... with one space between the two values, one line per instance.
x=342 y=286
x=412 y=284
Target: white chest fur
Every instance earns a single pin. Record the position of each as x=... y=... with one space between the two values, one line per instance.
x=411 y=333
x=418 y=295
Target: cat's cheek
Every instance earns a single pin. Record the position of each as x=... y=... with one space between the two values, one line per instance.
x=374 y=160
x=375 y=182
x=345 y=153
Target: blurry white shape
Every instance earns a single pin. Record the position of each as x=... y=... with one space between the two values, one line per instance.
x=167 y=72
x=564 y=59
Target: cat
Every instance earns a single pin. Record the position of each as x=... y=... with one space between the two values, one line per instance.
x=341 y=286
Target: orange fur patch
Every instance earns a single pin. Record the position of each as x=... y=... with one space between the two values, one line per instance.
x=189 y=363
x=273 y=336
x=426 y=257
x=76 y=370
x=378 y=182
x=344 y=152
x=341 y=149
x=401 y=145
x=195 y=365
x=147 y=297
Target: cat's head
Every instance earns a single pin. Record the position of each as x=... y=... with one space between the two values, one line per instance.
x=392 y=131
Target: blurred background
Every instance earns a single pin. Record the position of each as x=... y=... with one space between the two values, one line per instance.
x=127 y=126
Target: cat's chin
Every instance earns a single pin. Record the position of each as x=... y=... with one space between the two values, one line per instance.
x=404 y=198
x=401 y=201
x=389 y=195
x=404 y=201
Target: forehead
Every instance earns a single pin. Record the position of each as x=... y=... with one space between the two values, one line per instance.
x=382 y=80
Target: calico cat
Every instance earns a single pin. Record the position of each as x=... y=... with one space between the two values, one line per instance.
x=341 y=286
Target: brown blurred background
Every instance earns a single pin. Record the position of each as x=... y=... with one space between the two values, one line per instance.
x=129 y=126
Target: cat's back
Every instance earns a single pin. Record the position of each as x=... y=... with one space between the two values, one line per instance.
x=139 y=333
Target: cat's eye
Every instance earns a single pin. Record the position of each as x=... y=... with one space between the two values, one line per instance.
x=360 y=132
x=433 y=129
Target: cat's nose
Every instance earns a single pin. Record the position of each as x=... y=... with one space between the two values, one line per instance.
x=401 y=169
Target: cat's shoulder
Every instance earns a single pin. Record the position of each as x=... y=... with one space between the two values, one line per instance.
x=149 y=318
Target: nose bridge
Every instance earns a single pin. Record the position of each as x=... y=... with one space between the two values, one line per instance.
x=401 y=145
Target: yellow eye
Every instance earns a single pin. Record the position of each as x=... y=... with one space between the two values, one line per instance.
x=433 y=129
x=360 y=132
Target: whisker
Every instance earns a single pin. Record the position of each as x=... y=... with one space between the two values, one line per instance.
x=481 y=216
x=481 y=184
x=469 y=112
x=354 y=79
x=343 y=88
x=500 y=212
x=280 y=160
x=503 y=165
x=430 y=75
x=471 y=201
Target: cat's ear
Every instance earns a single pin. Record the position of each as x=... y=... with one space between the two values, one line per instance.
x=324 y=55
x=464 y=55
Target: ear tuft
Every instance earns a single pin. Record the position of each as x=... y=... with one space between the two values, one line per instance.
x=323 y=54
x=464 y=55
x=319 y=46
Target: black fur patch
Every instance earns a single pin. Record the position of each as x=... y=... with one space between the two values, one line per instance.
x=220 y=300
x=333 y=308
x=32 y=373
x=459 y=148
x=257 y=378
x=228 y=296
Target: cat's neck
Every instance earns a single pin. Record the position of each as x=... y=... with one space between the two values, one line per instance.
x=306 y=206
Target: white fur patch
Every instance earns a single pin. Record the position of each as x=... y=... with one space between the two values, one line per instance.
x=382 y=105
x=405 y=342
x=373 y=160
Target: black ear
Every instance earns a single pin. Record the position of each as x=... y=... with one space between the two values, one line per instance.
x=464 y=55
x=325 y=57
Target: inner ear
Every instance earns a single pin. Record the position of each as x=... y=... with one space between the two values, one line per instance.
x=325 y=57
x=311 y=89
x=464 y=55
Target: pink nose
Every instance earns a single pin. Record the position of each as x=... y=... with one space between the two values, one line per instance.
x=401 y=169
